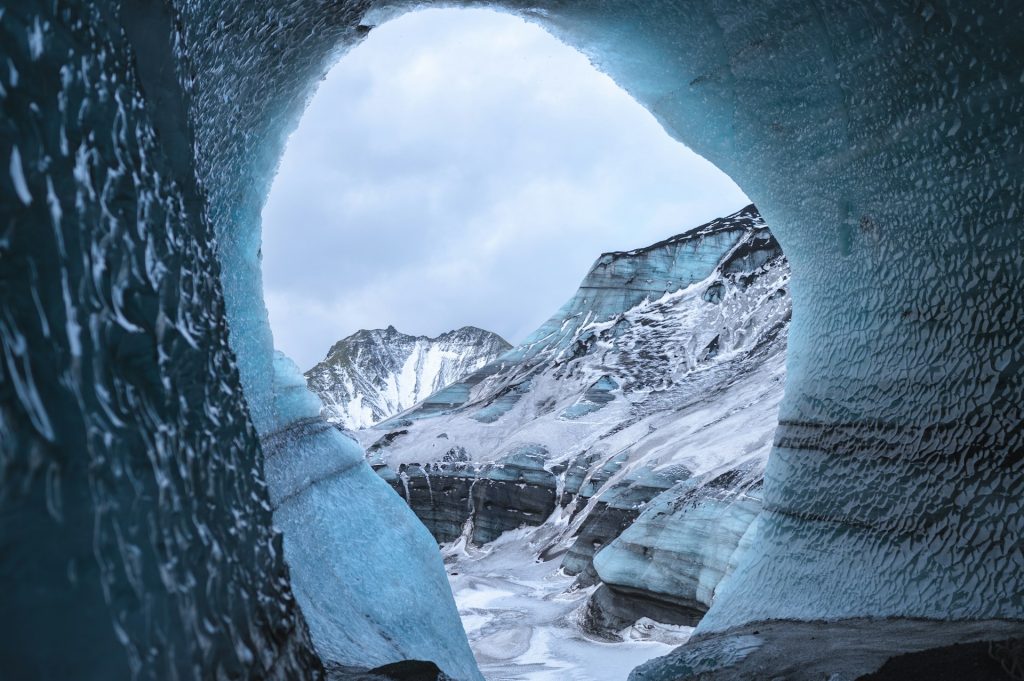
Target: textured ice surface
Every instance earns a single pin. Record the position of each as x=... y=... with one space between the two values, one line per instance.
x=687 y=540
x=135 y=531
x=364 y=570
x=880 y=140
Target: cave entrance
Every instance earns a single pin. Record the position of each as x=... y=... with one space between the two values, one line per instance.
x=881 y=140
x=465 y=168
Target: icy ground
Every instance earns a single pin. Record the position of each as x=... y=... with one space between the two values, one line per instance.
x=522 y=618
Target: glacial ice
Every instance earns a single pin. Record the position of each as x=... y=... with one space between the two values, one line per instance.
x=685 y=541
x=370 y=584
x=881 y=141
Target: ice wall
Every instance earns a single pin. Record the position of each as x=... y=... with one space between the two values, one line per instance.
x=135 y=530
x=340 y=519
x=687 y=540
x=366 y=573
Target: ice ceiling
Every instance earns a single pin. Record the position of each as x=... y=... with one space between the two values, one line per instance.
x=882 y=144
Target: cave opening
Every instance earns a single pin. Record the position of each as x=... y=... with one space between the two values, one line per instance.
x=881 y=143
x=463 y=169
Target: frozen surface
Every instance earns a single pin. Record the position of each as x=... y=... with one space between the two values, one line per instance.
x=522 y=618
x=687 y=540
x=136 y=538
x=635 y=433
x=637 y=342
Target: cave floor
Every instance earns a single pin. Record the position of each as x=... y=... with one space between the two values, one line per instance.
x=522 y=618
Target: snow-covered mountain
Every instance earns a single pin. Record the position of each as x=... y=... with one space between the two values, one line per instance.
x=630 y=430
x=374 y=374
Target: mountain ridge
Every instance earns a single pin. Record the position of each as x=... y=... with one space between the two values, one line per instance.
x=623 y=442
x=373 y=374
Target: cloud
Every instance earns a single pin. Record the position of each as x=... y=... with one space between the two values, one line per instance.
x=464 y=167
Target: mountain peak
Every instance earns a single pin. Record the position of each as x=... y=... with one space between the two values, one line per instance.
x=375 y=373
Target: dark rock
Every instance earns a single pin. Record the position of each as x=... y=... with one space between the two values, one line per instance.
x=861 y=649
x=406 y=670
x=752 y=253
x=439 y=494
x=980 y=661
x=457 y=453
x=613 y=608
x=711 y=351
x=514 y=492
x=386 y=440
x=713 y=293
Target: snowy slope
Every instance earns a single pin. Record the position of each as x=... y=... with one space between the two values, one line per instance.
x=374 y=374
x=658 y=381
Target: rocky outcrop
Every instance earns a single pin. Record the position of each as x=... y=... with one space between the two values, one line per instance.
x=406 y=670
x=514 y=492
x=861 y=649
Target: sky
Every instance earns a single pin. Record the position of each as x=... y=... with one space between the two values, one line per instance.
x=464 y=167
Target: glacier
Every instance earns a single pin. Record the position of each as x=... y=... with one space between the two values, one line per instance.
x=881 y=142
x=631 y=430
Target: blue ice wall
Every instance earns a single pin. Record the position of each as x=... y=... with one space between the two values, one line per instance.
x=366 y=572
x=881 y=148
x=135 y=527
x=368 y=577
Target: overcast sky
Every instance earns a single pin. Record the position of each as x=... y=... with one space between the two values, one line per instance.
x=463 y=167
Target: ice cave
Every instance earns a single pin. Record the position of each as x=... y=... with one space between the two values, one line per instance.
x=170 y=490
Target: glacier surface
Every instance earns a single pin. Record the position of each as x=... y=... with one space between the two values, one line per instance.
x=647 y=403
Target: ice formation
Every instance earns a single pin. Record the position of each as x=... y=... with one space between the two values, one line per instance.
x=374 y=374
x=369 y=584
x=881 y=142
